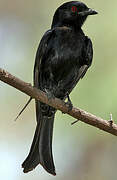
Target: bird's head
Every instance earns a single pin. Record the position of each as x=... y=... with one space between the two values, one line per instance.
x=73 y=13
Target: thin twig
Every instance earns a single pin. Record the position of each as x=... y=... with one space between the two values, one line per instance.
x=23 y=109
x=75 y=122
x=77 y=113
x=111 y=119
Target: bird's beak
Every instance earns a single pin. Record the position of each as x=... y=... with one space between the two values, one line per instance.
x=88 y=12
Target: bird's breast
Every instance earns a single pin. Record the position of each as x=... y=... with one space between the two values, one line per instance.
x=67 y=48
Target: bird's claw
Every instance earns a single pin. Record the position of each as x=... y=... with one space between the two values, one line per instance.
x=69 y=103
x=49 y=94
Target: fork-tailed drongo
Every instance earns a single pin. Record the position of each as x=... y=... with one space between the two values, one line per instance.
x=63 y=57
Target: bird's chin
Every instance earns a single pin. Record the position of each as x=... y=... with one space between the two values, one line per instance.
x=81 y=20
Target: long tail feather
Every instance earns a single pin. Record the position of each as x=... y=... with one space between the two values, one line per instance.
x=41 y=148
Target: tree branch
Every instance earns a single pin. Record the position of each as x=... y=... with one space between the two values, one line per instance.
x=77 y=113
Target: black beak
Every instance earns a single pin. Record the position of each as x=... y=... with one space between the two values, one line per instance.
x=88 y=12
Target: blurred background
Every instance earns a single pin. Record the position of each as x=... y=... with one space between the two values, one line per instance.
x=81 y=152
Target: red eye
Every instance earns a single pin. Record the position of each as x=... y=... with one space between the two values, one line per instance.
x=74 y=9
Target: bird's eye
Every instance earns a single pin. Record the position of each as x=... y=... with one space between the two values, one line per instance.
x=74 y=9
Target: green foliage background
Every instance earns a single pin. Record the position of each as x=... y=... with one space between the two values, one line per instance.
x=81 y=152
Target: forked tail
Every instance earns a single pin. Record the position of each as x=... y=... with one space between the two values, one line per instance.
x=41 y=148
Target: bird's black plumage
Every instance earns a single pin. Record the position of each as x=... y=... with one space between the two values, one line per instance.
x=63 y=57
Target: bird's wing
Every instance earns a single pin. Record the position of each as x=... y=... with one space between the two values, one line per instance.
x=41 y=53
x=87 y=57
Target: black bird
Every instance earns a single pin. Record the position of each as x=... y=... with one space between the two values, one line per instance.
x=63 y=57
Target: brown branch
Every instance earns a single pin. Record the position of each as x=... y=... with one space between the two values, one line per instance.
x=77 y=113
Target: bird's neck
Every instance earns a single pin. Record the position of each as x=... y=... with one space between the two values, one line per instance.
x=74 y=26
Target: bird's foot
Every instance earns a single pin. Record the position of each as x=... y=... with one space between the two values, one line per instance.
x=69 y=103
x=49 y=94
